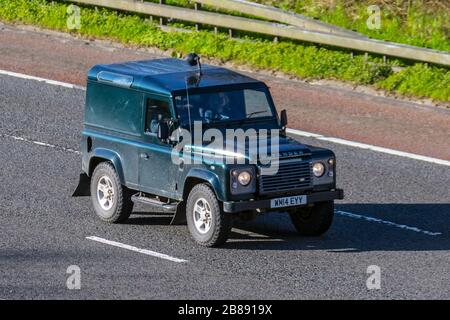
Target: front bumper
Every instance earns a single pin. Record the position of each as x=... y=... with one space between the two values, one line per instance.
x=239 y=206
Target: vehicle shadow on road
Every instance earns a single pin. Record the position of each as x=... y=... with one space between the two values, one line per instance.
x=142 y=218
x=274 y=231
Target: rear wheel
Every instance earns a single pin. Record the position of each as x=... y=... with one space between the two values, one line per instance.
x=315 y=220
x=208 y=224
x=112 y=201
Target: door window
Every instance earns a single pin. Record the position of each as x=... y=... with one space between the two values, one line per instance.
x=157 y=111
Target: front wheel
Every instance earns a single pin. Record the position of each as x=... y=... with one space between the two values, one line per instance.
x=315 y=220
x=208 y=224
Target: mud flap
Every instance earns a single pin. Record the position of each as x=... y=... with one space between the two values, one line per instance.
x=179 y=218
x=84 y=186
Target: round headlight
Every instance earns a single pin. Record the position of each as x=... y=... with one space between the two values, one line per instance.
x=244 y=178
x=318 y=169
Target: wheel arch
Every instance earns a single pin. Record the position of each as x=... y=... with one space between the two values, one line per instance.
x=197 y=175
x=100 y=155
x=193 y=178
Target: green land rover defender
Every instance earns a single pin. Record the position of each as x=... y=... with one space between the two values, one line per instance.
x=133 y=150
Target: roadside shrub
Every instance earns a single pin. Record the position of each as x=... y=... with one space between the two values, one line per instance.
x=420 y=80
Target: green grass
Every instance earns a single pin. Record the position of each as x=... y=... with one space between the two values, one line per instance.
x=420 y=80
x=301 y=60
x=423 y=23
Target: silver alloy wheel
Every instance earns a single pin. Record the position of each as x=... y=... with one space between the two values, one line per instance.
x=202 y=215
x=105 y=193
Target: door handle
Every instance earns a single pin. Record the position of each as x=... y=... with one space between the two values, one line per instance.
x=144 y=156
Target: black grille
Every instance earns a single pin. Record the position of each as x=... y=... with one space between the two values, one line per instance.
x=291 y=175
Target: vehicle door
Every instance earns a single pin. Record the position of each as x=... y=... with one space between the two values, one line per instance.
x=156 y=174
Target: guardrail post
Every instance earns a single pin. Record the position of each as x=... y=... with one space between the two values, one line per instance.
x=230 y=33
x=161 y=19
x=197 y=6
x=357 y=44
x=151 y=17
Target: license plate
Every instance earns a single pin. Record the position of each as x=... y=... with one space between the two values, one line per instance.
x=288 y=201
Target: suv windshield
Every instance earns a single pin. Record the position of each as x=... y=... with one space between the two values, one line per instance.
x=234 y=105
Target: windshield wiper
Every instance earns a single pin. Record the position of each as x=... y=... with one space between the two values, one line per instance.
x=255 y=113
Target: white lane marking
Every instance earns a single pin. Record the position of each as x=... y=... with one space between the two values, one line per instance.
x=389 y=223
x=292 y=131
x=39 y=143
x=143 y=251
x=48 y=81
x=303 y=133
x=369 y=147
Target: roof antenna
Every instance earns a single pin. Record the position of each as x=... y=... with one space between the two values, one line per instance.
x=188 y=104
x=194 y=59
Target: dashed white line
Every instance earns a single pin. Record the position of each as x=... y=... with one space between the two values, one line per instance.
x=369 y=147
x=135 y=249
x=39 y=143
x=386 y=222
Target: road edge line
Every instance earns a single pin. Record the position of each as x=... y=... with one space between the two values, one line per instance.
x=370 y=147
x=48 y=81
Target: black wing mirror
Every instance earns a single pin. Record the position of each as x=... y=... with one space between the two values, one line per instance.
x=163 y=131
x=283 y=119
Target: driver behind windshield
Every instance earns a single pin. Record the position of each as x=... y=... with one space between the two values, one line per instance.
x=219 y=107
x=233 y=105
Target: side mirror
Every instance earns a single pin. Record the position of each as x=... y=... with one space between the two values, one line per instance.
x=163 y=131
x=283 y=119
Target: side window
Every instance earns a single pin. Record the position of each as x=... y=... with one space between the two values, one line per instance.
x=114 y=108
x=157 y=111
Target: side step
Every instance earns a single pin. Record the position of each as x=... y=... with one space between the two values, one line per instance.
x=159 y=206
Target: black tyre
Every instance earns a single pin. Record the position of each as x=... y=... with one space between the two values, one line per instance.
x=208 y=224
x=112 y=201
x=313 y=221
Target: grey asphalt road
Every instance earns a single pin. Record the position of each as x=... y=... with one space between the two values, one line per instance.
x=43 y=230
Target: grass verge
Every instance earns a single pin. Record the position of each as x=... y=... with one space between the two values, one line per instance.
x=422 y=23
x=301 y=60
